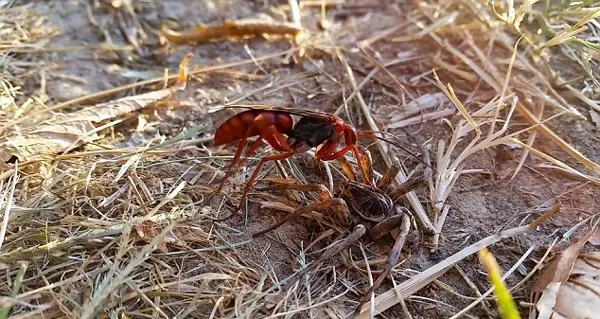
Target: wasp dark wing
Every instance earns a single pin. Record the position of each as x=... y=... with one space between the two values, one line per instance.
x=299 y=112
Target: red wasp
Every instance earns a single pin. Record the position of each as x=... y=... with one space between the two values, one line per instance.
x=276 y=126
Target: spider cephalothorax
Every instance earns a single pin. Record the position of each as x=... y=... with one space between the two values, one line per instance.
x=366 y=201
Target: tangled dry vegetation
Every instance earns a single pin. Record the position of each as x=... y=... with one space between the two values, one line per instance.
x=105 y=194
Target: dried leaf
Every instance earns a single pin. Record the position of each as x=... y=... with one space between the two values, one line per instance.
x=112 y=109
x=557 y=282
x=577 y=297
x=595 y=239
x=67 y=131
x=147 y=231
x=45 y=139
x=560 y=268
x=241 y=28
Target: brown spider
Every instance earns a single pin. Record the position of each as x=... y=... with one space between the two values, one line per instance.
x=366 y=208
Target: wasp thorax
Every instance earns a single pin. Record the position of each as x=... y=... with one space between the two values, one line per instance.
x=311 y=131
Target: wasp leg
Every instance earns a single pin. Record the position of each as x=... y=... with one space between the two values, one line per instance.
x=335 y=155
x=326 y=149
x=391 y=263
x=355 y=152
x=270 y=133
x=306 y=209
x=277 y=141
x=259 y=166
x=276 y=157
x=236 y=161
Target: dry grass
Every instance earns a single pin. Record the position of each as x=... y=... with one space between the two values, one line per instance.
x=106 y=230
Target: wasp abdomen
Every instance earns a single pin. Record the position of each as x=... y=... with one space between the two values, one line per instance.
x=251 y=123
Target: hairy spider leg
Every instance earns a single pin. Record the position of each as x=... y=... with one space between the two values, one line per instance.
x=333 y=250
x=389 y=176
x=236 y=160
x=393 y=258
x=385 y=226
x=279 y=184
x=327 y=203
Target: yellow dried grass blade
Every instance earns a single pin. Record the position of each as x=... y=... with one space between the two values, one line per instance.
x=504 y=90
x=505 y=302
x=520 y=14
x=569 y=33
x=449 y=91
x=530 y=140
x=556 y=162
x=510 y=12
x=559 y=141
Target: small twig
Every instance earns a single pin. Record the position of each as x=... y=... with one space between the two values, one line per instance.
x=471 y=284
x=228 y=29
x=295 y=12
x=391 y=263
x=369 y=295
x=7 y=199
x=438 y=224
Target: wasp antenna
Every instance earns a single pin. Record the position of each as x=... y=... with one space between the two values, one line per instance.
x=371 y=135
x=394 y=135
